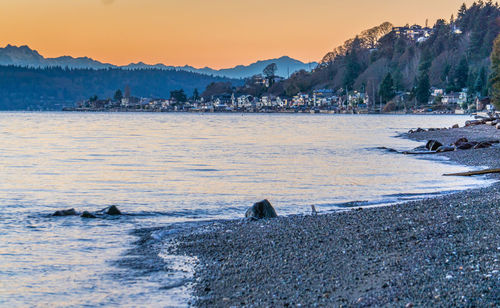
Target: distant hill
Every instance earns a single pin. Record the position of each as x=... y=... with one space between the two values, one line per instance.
x=51 y=88
x=25 y=56
x=451 y=55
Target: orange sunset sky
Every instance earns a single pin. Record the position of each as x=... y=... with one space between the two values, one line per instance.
x=215 y=33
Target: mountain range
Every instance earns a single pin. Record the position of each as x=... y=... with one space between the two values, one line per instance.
x=26 y=57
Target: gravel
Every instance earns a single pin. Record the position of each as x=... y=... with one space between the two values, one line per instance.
x=442 y=251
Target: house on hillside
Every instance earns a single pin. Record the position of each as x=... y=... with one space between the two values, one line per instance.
x=415 y=33
x=450 y=98
x=482 y=102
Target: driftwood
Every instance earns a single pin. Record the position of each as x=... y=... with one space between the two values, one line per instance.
x=471 y=173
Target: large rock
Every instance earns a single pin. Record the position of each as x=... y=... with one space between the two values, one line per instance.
x=260 y=210
x=113 y=210
x=433 y=145
x=68 y=212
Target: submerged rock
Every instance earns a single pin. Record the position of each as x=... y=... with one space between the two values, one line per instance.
x=455 y=126
x=433 y=145
x=260 y=210
x=87 y=214
x=68 y=212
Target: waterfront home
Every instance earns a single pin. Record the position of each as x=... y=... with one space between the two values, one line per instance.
x=435 y=92
x=450 y=98
x=481 y=103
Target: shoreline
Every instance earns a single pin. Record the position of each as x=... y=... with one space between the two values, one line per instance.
x=437 y=251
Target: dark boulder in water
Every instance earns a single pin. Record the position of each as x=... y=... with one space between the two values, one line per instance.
x=113 y=210
x=433 y=145
x=87 y=214
x=260 y=210
x=68 y=212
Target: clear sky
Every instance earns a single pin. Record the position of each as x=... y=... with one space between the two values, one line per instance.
x=215 y=33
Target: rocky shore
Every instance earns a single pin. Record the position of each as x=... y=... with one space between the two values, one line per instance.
x=443 y=251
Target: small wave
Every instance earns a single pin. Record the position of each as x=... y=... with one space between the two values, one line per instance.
x=399 y=195
x=351 y=204
x=203 y=170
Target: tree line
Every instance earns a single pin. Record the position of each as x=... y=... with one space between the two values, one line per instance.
x=51 y=88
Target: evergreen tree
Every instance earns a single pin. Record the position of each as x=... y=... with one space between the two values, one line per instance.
x=461 y=74
x=495 y=73
x=462 y=11
x=386 y=91
x=397 y=77
x=352 y=69
x=481 y=81
x=178 y=95
x=422 y=92
x=118 y=95
x=196 y=94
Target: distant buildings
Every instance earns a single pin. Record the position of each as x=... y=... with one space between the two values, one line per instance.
x=415 y=33
x=317 y=101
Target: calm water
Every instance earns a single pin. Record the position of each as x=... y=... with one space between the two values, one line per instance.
x=176 y=168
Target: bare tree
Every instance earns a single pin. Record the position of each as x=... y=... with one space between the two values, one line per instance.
x=270 y=70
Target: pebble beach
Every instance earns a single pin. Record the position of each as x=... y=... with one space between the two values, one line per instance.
x=442 y=251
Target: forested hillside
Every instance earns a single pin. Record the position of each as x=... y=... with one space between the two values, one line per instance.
x=454 y=55
x=52 y=88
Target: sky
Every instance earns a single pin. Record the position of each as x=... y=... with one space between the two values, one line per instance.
x=214 y=33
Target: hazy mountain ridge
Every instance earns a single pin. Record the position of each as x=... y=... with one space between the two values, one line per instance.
x=27 y=57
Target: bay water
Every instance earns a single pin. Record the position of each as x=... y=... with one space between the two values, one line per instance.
x=165 y=169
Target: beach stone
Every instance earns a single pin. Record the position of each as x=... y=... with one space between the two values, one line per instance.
x=498 y=126
x=446 y=148
x=68 y=212
x=260 y=210
x=113 y=210
x=482 y=145
x=455 y=126
x=433 y=145
x=466 y=145
x=460 y=141
x=87 y=214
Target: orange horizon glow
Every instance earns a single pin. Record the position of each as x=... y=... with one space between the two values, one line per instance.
x=216 y=33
